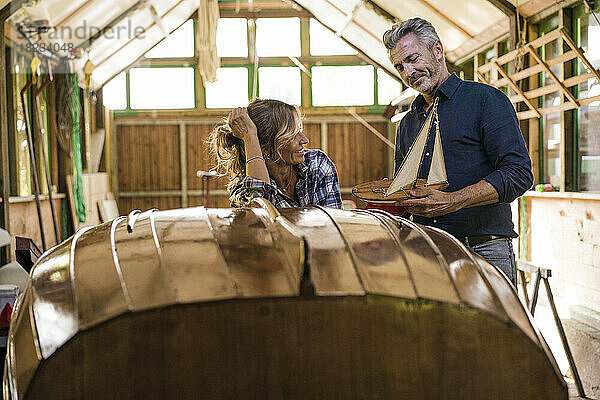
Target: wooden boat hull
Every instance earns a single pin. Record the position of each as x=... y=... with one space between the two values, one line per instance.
x=373 y=191
x=258 y=303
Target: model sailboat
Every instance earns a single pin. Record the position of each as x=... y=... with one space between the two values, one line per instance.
x=390 y=191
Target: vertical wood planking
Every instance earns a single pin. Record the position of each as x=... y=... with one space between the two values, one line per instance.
x=313 y=133
x=127 y=204
x=148 y=158
x=359 y=156
x=216 y=201
x=165 y=157
x=198 y=158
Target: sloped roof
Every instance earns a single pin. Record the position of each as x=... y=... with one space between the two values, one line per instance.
x=109 y=36
x=102 y=37
x=464 y=26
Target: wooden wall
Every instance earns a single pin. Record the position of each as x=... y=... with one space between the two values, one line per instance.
x=563 y=233
x=157 y=160
x=24 y=220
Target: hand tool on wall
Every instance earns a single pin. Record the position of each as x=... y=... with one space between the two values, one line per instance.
x=43 y=140
x=33 y=168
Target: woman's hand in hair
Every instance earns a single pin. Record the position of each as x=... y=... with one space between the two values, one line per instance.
x=241 y=125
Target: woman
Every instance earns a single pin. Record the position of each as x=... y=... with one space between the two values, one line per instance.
x=262 y=149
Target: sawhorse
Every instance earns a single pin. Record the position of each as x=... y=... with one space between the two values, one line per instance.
x=542 y=274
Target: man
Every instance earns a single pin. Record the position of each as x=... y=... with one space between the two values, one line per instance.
x=487 y=163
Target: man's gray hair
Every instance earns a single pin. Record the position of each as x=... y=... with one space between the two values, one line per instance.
x=423 y=29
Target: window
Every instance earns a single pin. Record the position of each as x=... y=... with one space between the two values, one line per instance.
x=588 y=116
x=159 y=88
x=388 y=88
x=278 y=37
x=180 y=43
x=280 y=83
x=230 y=90
x=550 y=123
x=323 y=42
x=315 y=68
x=232 y=37
x=114 y=93
x=342 y=86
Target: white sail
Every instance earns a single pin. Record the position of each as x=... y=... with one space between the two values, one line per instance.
x=437 y=172
x=407 y=174
x=406 y=177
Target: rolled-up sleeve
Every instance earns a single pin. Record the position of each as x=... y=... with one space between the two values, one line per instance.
x=247 y=188
x=505 y=148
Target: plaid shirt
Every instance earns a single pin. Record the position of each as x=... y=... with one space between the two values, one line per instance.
x=317 y=184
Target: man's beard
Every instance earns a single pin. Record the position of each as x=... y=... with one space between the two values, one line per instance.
x=430 y=81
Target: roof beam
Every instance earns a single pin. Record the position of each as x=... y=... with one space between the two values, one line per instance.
x=505 y=6
x=446 y=18
x=381 y=11
x=360 y=51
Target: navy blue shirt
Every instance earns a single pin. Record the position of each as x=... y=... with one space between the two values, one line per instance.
x=481 y=139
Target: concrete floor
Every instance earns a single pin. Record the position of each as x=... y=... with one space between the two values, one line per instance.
x=545 y=322
x=573 y=395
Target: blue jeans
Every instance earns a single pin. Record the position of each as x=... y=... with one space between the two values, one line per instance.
x=499 y=252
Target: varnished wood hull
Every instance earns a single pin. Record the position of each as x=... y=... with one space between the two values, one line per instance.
x=374 y=191
x=251 y=304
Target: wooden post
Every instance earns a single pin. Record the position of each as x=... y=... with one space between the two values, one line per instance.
x=5 y=252
x=391 y=133
x=304 y=78
x=534 y=123
x=183 y=164
x=567 y=118
x=324 y=136
x=109 y=151
x=199 y=82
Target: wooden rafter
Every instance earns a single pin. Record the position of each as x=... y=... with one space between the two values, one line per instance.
x=481 y=78
x=443 y=16
x=517 y=89
x=579 y=52
x=545 y=66
x=505 y=6
x=380 y=10
x=552 y=75
x=245 y=5
x=351 y=19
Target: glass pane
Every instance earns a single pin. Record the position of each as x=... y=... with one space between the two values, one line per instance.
x=114 y=93
x=232 y=37
x=488 y=56
x=230 y=89
x=180 y=43
x=324 y=42
x=152 y=88
x=551 y=122
x=552 y=145
x=589 y=115
x=278 y=37
x=280 y=83
x=388 y=88
x=330 y=85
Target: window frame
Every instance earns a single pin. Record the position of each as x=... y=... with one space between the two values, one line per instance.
x=305 y=59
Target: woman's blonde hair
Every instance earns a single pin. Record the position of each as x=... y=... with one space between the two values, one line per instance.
x=277 y=123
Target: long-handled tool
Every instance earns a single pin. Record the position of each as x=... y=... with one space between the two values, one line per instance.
x=36 y=187
x=36 y=94
x=206 y=177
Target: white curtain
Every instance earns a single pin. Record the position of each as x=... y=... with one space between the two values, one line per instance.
x=206 y=39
